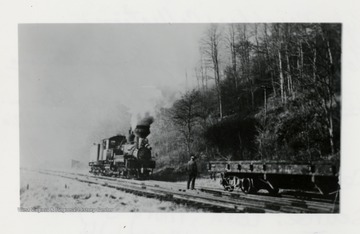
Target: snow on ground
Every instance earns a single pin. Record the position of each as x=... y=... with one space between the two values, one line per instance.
x=41 y=192
x=204 y=182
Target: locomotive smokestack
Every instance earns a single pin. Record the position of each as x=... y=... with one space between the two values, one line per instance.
x=142 y=131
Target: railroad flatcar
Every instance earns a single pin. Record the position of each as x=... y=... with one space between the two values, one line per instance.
x=122 y=156
x=251 y=176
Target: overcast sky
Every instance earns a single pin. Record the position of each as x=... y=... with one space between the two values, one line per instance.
x=79 y=83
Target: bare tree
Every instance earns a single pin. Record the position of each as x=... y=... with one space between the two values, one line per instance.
x=201 y=73
x=290 y=88
x=278 y=45
x=244 y=50
x=270 y=66
x=321 y=42
x=185 y=114
x=231 y=39
x=210 y=49
x=328 y=98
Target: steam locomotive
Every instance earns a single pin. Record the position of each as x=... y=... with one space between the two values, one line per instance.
x=123 y=156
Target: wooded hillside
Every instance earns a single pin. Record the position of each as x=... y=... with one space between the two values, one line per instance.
x=265 y=91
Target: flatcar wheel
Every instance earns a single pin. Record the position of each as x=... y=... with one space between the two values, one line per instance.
x=234 y=181
x=274 y=191
x=247 y=185
x=225 y=182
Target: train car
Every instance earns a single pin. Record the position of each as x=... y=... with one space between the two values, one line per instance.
x=251 y=176
x=122 y=156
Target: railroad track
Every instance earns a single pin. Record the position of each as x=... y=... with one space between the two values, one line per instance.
x=206 y=198
x=283 y=201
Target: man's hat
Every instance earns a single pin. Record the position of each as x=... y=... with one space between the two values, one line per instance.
x=193 y=156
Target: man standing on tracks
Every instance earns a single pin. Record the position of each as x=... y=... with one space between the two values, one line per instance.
x=192 y=171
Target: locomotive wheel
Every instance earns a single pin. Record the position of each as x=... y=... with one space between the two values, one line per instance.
x=247 y=185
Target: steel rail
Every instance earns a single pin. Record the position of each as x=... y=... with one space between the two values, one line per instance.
x=217 y=201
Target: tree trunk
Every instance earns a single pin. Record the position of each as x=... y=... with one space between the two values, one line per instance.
x=233 y=54
x=215 y=61
x=273 y=83
x=330 y=93
x=241 y=149
x=268 y=60
x=281 y=78
x=265 y=105
x=300 y=61
x=288 y=73
x=217 y=80
x=314 y=65
x=211 y=50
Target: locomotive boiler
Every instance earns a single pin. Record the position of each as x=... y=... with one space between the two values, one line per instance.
x=123 y=156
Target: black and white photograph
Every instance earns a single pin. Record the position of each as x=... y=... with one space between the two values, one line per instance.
x=181 y=117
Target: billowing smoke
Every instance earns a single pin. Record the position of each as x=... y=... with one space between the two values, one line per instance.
x=142 y=105
x=146 y=120
x=148 y=98
x=141 y=119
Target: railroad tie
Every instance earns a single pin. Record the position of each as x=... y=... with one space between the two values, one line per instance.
x=272 y=206
x=234 y=195
x=299 y=204
x=253 y=210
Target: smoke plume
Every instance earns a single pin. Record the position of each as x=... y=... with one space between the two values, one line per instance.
x=141 y=119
